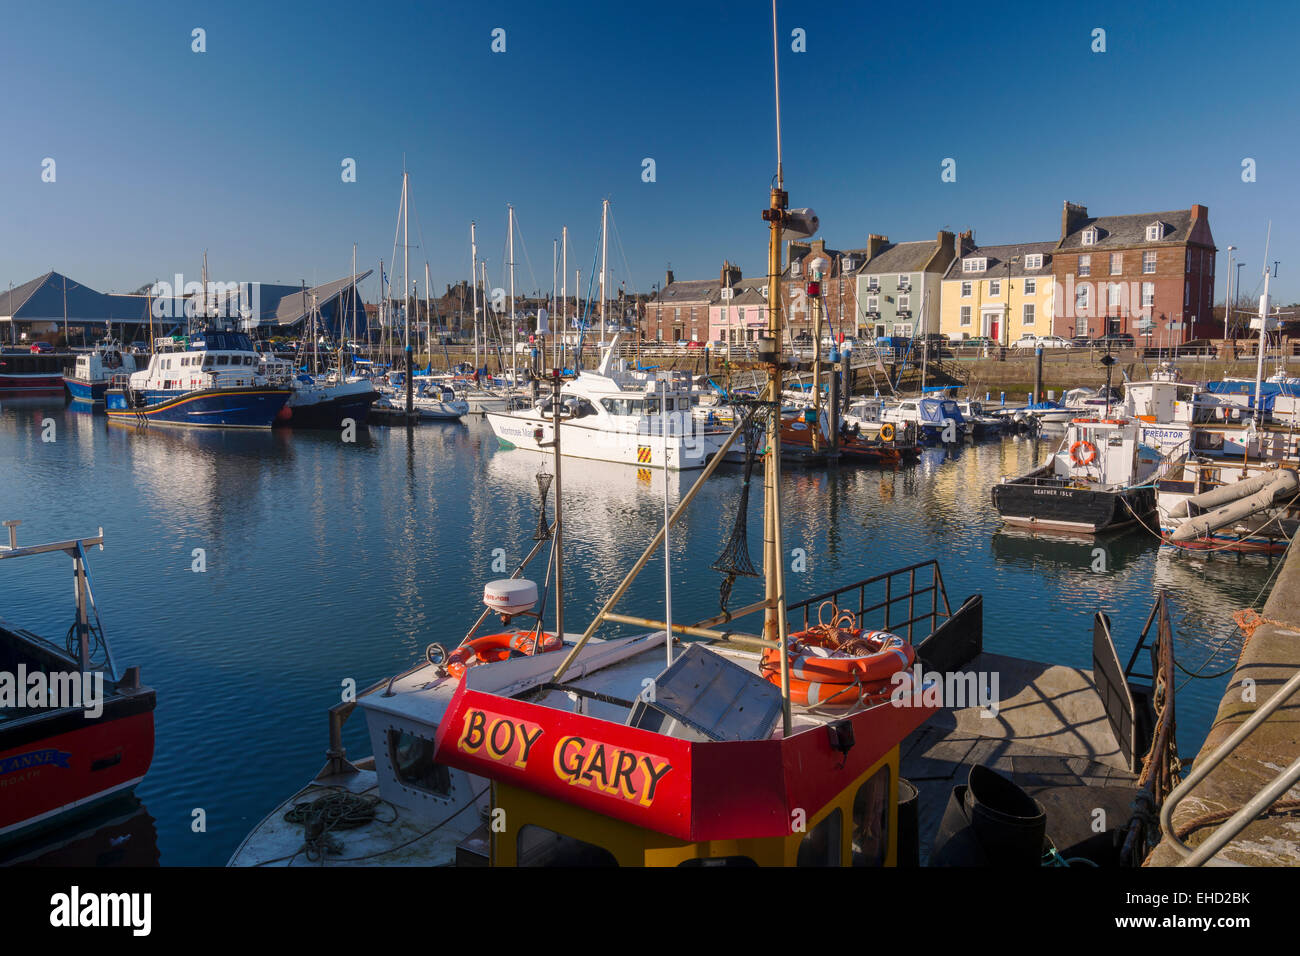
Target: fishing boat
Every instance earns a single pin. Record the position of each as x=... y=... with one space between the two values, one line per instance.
x=31 y=373
x=1101 y=477
x=735 y=750
x=95 y=370
x=213 y=380
x=88 y=737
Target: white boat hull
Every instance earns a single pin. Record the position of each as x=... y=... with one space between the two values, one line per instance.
x=685 y=452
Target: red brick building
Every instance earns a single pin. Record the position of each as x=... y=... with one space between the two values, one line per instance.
x=838 y=288
x=680 y=310
x=1114 y=274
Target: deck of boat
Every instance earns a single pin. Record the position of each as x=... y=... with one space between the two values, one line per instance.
x=1050 y=736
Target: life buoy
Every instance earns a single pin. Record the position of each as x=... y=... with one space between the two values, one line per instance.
x=1113 y=421
x=1088 y=448
x=496 y=647
x=837 y=667
x=887 y=432
x=1083 y=421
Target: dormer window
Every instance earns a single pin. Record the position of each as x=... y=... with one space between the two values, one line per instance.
x=1034 y=260
x=796 y=267
x=848 y=264
x=1155 y=232
x=974 y=264
x=1090 y=236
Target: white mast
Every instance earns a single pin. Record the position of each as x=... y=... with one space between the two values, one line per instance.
x=406 y=275
x=428 y=315
x=1263 y=333
x=557 y=349
x=510 y=221
x=555 y=264
x=604 y=243
x=473 y=281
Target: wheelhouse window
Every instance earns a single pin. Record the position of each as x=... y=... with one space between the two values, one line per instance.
x=870 y=836
x=412 y=759
x=538 y=846
x=821 y=847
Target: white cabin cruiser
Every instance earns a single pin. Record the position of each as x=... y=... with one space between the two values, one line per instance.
x=613 y=414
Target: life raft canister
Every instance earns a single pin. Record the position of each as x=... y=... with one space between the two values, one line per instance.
x=1088 y=449
x=496 y=647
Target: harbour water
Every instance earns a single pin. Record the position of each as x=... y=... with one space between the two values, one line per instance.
x=326 y=562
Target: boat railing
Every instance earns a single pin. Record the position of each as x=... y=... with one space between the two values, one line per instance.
x=923 y=586
x=1161 y=765
x=1173 y=458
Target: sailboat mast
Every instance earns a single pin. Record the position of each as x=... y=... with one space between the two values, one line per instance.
x=406 y=296
x=604 y=244
x=564 y=296
x=1263 y=343
x=510 y=222
x=473 y=281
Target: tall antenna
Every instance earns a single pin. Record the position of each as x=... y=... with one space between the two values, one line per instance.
x=776 y=77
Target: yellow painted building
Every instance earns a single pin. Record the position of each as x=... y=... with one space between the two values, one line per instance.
x=999 y=292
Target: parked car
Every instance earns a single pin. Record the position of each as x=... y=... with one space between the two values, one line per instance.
x=42 y=347
x=1054 y=342
x=1081 y=342
x=1027 y=342
x=692 y=344
x=1115 y=340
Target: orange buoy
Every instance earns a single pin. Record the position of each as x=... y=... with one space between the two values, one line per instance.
x=838 y=667
x=1089 y=453
x=496 y=647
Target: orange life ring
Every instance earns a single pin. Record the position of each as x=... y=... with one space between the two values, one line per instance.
x=839 y=667
x=887 y=432
x=1088 y=447
x=496 y=647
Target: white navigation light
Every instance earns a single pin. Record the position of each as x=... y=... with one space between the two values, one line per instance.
x=510 y=596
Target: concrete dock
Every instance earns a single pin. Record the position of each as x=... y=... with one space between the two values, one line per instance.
x=1271 y=656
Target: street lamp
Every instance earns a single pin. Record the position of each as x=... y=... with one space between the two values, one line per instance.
x=1227 y=295
x=1236 y=286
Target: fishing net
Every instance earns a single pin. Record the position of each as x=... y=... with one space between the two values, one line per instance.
x=734 y=560
x=543 y=531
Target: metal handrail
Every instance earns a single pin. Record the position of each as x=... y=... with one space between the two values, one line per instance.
x=1253 y=807
x=935 y=589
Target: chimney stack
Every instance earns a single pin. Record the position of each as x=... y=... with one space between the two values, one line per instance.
x=1200 y=212
x=1073 y=216
x=668 y=280
x=874 y=244
x=965 y=242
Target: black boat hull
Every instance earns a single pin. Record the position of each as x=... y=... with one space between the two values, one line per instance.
x=1050 y=507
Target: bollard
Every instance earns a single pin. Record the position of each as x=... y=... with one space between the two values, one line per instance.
x=1004 y=398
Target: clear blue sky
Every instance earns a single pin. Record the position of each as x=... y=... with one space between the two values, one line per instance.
x=162 y=152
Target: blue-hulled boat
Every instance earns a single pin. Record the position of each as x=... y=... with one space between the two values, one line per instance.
x=216 y=379
x=95 y=371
